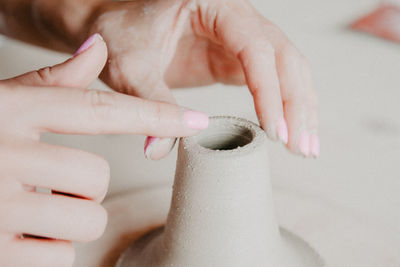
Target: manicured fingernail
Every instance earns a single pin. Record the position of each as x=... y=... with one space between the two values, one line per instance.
x=148 y=146
x=156 y=148
x=195 y=120
x=282 y=130
x=304 y=144
x=88 y=43
x=314 y=145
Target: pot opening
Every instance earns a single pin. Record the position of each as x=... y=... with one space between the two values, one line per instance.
x=223 y=137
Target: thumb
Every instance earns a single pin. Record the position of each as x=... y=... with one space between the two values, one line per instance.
x=77 y=72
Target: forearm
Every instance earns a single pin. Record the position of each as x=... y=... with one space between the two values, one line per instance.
x=56 y=24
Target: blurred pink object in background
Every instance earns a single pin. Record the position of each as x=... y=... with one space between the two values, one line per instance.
x=384 y=21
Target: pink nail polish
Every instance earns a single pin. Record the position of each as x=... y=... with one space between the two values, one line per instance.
x=282 y=130
x=304 y=143
x=314 y=144
x=195 y=120
x=148 y=146
x=87 y=44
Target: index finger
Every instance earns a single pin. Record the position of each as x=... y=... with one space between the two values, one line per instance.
x=77 y=111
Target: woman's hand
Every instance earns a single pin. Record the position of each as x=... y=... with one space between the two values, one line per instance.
x=155 y=45
x=36 y=229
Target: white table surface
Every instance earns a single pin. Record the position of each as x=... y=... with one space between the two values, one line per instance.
x=346 y=204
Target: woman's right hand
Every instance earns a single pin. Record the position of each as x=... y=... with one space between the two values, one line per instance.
x=36 y=229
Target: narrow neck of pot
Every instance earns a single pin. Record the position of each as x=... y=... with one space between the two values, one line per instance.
x=222 y=210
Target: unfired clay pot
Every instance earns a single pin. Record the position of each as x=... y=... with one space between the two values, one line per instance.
x=222 y=213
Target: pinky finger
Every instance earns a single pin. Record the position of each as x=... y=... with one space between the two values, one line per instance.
x=38 y=252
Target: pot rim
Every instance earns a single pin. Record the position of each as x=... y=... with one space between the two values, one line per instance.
x=256 y=135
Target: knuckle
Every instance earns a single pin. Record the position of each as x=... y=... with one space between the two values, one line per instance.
x=158 y=114
x=268 y=48
x=147 y=114
x=291 y=54
x=100 y=103
x=305 y=101
x=261 y=44
x=45 y=75
x=289 y=51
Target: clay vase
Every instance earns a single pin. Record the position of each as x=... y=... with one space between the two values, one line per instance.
x=222 y=212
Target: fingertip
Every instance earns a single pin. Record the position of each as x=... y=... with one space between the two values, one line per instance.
x=157 y=148
x=91 y=41
x=269 y=128
x=92 y=54
x=195 y=120
x=271 y=132
x=304 y=143
x=282 y=130
x=148 y=145
x=314 y=145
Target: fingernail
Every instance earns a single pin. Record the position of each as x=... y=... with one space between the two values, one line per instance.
x=304 y=143
x=314 y=145
x=282 y=130
x=148 y=145
x=195 y=120
x=88 y=43
x=156 y=148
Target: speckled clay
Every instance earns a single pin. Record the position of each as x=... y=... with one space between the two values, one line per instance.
x=222 y=210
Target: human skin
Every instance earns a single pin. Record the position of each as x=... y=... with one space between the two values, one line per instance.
x=156 y=45
x=36 y=229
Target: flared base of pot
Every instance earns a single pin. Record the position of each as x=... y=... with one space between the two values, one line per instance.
x=129 y=222
x=297 y=252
